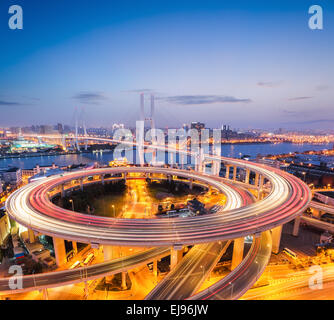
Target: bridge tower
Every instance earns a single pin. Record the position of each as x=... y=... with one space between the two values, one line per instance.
x=79 y=120
x=141 y=129
x=142 y=110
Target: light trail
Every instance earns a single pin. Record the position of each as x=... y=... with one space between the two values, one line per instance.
x=31 y=207
x=288 y=198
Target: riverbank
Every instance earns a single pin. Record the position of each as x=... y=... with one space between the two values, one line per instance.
x=61 y=159
x=38 y=154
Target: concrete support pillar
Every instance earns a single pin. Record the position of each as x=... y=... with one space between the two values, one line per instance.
x=175 y=257
x=45 y=294
x=213 y=168
x=62 y=190
x=276 y=234
x=60 y=251
x=216 y=165
x=108 y=252
x=256 y=183
x=234 y=173
x=296 y=225
x=155 y=269
x=102 y=179
x=238 y=252
x=182 y=160
x=227 y=174
x=74 y=246
x=81 y=184
x=261 y=181
x=125 y=175
x=191 y=184
x=316 y=213
x=247 y=176
x=31 y=236
x=260 y=185
x=124 y=286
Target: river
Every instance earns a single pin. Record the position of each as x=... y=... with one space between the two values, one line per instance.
x=228 y=150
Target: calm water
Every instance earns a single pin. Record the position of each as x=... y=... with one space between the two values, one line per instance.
x=227 y=150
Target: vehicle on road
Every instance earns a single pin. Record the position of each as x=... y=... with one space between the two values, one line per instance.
x=290 y=253
x=89 y=259
x=76 y=264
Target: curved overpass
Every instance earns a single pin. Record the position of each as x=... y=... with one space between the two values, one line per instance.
x=235 y=284
x=322 y=207
x=60 y=278
x=287 y=198
x=66 y=277
x=186 y=278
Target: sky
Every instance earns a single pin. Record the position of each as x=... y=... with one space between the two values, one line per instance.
x=249 y=64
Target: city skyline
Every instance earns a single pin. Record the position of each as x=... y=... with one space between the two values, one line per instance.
x=166 y=151
x=249 y=65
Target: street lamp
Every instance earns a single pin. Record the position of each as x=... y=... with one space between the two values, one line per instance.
x=72 y=204
x=113 y=207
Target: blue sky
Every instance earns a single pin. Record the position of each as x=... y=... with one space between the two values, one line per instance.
x=250 y=64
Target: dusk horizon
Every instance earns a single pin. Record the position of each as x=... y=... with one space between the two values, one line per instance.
x=252 y=66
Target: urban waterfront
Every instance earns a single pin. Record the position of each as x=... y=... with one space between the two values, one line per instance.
x=228 y=150
x=166 y=151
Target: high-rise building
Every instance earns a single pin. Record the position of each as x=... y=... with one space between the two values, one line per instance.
x=60 y=128
x=197 y=125
x=45 y=129
x=11 y=176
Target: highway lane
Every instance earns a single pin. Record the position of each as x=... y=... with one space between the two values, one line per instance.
x=236 y=283
x=190 y=273
x=294 y=284
x=287 y=198
x=39 y=214
x=323 y=207
x=318 y=223
x=72 y=276
x=65 y=277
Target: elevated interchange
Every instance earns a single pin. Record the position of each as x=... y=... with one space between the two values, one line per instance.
x=286 y=199
x=31 y=207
